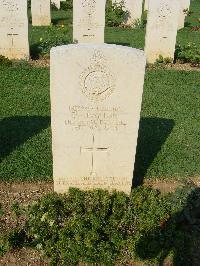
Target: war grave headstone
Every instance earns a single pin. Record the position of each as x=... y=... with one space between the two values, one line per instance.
x=161 y=29
x=96 y=95
x=134 y=8
x=88 y=21
x=41 y=12
x=14 y=29
x=184 y=7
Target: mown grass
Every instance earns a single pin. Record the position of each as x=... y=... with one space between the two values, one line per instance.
x=169 y=139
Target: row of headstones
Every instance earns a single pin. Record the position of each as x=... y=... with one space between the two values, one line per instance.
x=41 y=11
x=89 y=24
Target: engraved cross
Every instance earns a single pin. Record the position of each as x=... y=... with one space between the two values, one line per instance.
x=12 y=35
x=93 y=150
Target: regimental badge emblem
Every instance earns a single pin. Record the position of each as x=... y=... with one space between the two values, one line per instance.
x=97 y=83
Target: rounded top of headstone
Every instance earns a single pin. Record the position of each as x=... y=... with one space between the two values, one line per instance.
x=86 y=46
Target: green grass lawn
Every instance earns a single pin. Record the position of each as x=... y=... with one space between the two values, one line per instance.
x=169 y=137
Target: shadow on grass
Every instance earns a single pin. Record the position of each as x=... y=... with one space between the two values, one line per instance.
x=120 y=43
x=35 y=51
x=153 y=133
x=178 y=236
x=59 y=21
x=14 y=131
x=187 y=24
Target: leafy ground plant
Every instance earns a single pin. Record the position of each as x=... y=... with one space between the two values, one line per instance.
x=189 y=53
x=115 y=13
x=98 y=227
x=4 y=61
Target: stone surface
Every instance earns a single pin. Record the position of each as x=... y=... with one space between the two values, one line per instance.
x=88 y=21
x=146 y=2
x=96 y=95
x=134 y=8
x=56 y=3
x=14 y=29
x=184 y=5
x=161 y=30
x=41 y=13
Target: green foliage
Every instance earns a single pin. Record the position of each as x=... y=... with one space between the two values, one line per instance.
x=4 y=61
x=45 y=45
x=115 y=13
x=51 y=37
x=187 y=12
x=162 y=60
x=16 y=238
x=98 y=227
x=54 y=7
x=189 y=53
x=65 y=5
x=79 y=226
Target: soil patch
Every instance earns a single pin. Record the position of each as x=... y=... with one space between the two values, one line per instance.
x=23 y=257
x=163 y=186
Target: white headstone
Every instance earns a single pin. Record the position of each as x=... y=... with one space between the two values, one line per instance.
x=134 y=8
x=96 y=95
x=161 y=30
x=41 y=12
x=14 y=29
x=56 y=3
x=88 y=21
x=146 y=5
x=184 y=6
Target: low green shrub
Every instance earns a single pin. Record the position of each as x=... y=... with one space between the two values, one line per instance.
x=115 y=13
x=66 y=5
x=44 y=44
x=189 y=53
x=54 y=7
x=4 y=61
x=98 y=227
x=164 y=60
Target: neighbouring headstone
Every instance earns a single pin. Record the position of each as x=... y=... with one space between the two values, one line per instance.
x=134 y=8
x=88 y=21
x=146 y=5
x=184 y=8
x=96 y=95
x=14 y=29
x=56 y=3
x=41 y=12
x=161 y=30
